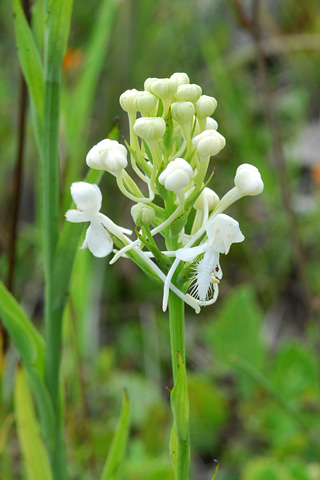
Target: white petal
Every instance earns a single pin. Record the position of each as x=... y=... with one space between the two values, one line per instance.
x=187 y=254
x=98 y=240
x=76 y=216
x=222 y=231
x=87 y=196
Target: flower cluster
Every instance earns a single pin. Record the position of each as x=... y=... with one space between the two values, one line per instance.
x=172 y=138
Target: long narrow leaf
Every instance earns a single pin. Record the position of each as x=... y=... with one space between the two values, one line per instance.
x=119 y=443
x=34 y=453
x=26 y=338
x=83 y=94
x=29 y=57
x=58 y=26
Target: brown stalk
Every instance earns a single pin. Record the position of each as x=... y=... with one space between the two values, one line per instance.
x=16 y=187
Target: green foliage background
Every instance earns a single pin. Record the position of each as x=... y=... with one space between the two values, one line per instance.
x=253 y=357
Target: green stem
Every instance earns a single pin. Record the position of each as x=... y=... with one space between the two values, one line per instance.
x=177 y=342
x=53 y=319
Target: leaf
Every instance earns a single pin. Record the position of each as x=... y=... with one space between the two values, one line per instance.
x=34 y=453
x=58 y=26
x=85 y=89
x=173 y=448
x=29 y=57
x=180 y=402
x=119 y=443
x=26 y=338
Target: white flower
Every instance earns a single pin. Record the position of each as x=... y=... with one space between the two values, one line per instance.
x=208 y=197
x=145 y=102
x=248 y=180
x=164 y=88
x=211 y=124
x=222 y=231
x=182 y=112
x=176 y=175
x=189 y=93
x=107 y=155
x=150 y=128
x=209 y=143
x=180 y=77
x=127 y=100
x=88 y=199
x=205 y=106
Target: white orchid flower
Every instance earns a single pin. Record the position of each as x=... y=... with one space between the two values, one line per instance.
x=222 y=231
x=88 y=199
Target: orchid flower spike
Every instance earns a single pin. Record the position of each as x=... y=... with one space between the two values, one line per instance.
x=88 y=199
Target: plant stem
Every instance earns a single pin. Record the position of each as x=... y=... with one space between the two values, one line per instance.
x=53 y=318
x=177 y=342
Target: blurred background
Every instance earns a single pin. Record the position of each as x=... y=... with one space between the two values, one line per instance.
x=253 y=357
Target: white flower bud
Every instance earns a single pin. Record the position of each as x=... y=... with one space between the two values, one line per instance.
x=182 y=112
x=150 y=128
x=107 y=155
x=210 y=196
x=142 y=214
x=127 y=100
x=164 y=88
x=209 y=143
x=188 y=93
x=181 y=78
x=248 y=180
x=148 y=84
x=211 y=124
x=205 y=106
x=145 y=102
x=176 y=175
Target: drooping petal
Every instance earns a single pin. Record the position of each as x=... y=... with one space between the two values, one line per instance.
x=76 y=216
x=98 y=240
x=188 y=254
x=87 y=197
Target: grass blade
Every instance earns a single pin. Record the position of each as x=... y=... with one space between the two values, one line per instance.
x=34 y=453
x=119 y=443
x=26 y=338
x=29 y=57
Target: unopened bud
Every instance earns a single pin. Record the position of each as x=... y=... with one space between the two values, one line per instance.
x=176 y=175
x=181 y=78
x=127 y=100
x=107 y=155
x=211 y=124
x=205 y=106
x=188 y=93
x=148 y=84
x=150 y=128
x=142 y=214
x=209 y=196
x=209 y=143
x=164 y=88
x=182 y=112
x=248 y=180
x=145 y=102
